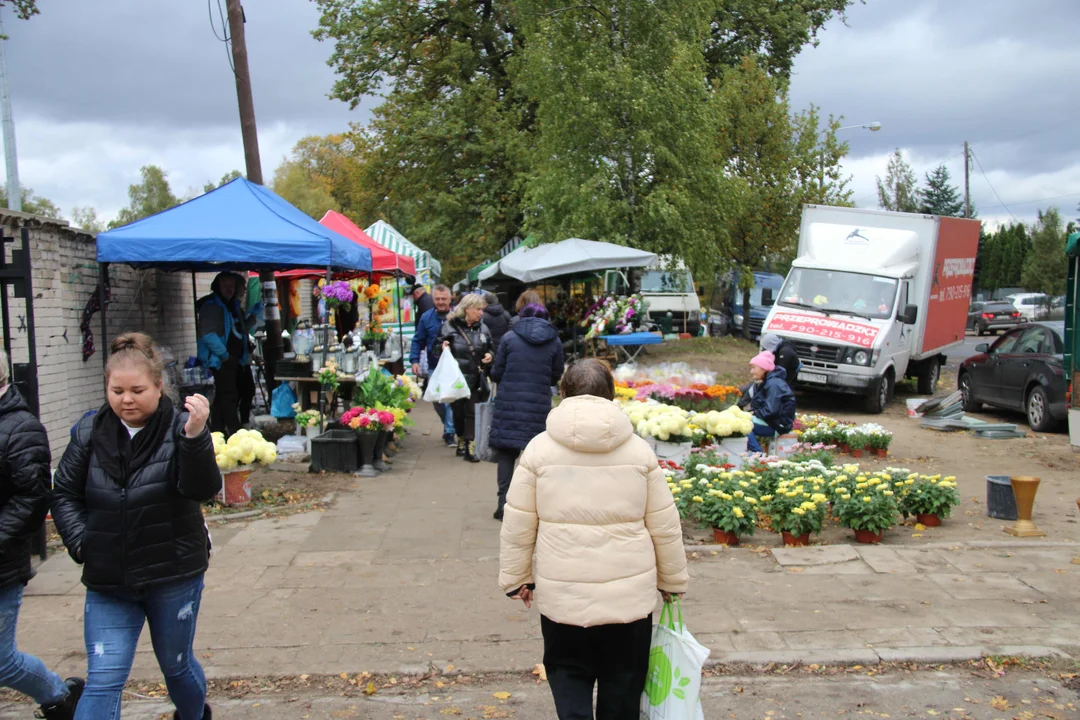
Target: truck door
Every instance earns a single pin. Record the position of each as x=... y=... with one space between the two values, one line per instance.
x=901 y=337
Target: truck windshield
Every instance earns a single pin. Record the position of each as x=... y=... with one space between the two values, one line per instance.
x=666 y=281
x=871 y=296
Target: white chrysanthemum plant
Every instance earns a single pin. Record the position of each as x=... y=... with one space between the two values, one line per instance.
x=243 y=450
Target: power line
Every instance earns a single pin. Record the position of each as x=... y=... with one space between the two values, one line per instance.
x=977 y=162
x=1038 y=200
x=224 y=37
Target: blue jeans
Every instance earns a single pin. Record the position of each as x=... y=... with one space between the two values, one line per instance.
x=447 y=416
x=112 y=627
x=752 y=444
x=20 y=671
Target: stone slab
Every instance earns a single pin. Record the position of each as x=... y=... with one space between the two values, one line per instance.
x=815 y=555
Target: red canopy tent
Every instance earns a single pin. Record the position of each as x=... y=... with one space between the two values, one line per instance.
x=383 y=260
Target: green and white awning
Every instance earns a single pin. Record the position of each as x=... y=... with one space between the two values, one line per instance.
x=386 y=235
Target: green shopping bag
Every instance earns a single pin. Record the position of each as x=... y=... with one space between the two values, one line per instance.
x=676 y=659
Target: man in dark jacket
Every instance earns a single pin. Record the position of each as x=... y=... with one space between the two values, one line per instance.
x=223 y=347
x=773 y=403
x=496 y=318
x=784 y=352
x=428 y=327
x=529 y=361
x=24 y=500
x=422 y=301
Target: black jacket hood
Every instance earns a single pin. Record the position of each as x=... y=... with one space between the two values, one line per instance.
x=535 y=331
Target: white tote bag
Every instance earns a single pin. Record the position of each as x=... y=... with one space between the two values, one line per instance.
x=675 y=662
x=447 y=384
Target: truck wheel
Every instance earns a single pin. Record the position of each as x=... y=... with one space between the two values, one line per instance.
x=880 y=392
x=928 y=378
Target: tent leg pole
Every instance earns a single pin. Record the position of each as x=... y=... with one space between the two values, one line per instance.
x=194 y=302
x=103 y=299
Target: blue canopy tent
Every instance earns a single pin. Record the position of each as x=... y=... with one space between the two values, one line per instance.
x=238 y=226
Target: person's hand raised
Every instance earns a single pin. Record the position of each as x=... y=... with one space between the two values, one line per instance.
x=198 y=408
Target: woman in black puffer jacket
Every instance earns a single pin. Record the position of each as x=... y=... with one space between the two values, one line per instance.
x=466 y=337
x=127 y=505
x=528 y=363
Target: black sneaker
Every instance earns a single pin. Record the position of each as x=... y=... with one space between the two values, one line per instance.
x=65 y=709
x=449 y=440
x=206 y=713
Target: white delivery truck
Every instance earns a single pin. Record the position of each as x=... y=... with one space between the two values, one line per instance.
x=874 y=296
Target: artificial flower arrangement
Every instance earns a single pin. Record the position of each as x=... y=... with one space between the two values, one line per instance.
x=306 y=418
x=368 y=419
x=378 y=304
x=337 y=294
x=245 y=447
x=615 y=315
x=925 y=494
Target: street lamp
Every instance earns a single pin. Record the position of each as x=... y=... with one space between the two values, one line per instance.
x=872 y=127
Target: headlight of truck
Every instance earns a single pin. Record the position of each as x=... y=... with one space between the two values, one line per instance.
x=737 y=319
x=857 y=357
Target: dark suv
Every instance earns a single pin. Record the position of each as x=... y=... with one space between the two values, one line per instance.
x=984 y=317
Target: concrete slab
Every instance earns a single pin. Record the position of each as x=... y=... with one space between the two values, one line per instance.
x=885 y=560
x=815 y=555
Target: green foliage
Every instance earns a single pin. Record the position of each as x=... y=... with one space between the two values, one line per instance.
x=151 y=196
x=87 y=219
x=587 y=120
x=624 y=148
x=797 y=505
x=865 y=503
x=928 y=495
x=775 y=163
x=226 y=178
x=24 y=9
x=940 y=196
x=1001 y=257
x=899 y=191
x=1046 y=268
x=31 y=203
x=723 y=504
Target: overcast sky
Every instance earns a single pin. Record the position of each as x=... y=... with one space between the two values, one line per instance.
x=100 y=89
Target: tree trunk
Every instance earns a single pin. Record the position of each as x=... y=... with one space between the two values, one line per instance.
x=746 y=313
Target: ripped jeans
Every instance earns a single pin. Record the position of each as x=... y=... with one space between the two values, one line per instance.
x=112 y=627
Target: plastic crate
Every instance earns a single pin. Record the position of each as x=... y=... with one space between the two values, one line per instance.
x=1000 y=500
x=335 y=451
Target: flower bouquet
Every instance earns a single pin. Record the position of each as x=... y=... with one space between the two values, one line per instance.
x=235 y=458
x=370 y=420
x=306 y=418
x=338 y=294
x=614 y=316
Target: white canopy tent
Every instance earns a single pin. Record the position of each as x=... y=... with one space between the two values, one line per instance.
x=569 y=257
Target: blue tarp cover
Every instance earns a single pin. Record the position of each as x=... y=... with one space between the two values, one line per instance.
x=240 y=225
x=638 y=338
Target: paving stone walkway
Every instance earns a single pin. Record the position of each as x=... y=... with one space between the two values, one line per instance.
x=400 y=575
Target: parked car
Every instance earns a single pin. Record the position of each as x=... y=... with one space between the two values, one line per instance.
x=1024 y=370
x=1032 y=306
x=984 y=317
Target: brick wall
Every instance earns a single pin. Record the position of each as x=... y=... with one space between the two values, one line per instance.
x=65 y=275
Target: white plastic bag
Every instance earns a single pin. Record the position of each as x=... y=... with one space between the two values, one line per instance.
x=447 y=384
x=675 y=662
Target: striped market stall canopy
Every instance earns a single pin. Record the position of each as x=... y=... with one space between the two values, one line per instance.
x=386 y=235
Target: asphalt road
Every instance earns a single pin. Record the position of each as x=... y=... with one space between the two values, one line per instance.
x=966 y=349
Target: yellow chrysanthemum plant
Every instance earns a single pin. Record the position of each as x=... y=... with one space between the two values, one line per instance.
x=926 y=494
x=797 y=506
x=242 y=450
x=865 y=502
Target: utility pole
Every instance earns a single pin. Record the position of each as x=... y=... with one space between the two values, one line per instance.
x=272 y=348
x=967 y=192
x=14 y=192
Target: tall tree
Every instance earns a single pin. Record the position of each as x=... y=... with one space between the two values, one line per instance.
x=326 y=173
x=226 y=178
x=939 y=196
x=1046 y=267
x=31 y=203
x=449 y=150
x=23 y=8
x=899 y=190
x=87 y=219
x=146 y=198
x=775 y=163
x=625 y=146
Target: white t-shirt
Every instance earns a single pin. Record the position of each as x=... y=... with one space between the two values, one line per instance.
x=132 y=431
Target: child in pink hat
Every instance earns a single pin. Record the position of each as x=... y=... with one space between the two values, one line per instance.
x=772 y=403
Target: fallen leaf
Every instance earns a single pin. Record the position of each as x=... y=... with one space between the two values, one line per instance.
x=370 y=689
x=501 y=695
x=919 y=527
x=999 y=703
x=796 y=569
x=916 y=534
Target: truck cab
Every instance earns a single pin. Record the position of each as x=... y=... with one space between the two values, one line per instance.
x=669 y=290
x=762 y=297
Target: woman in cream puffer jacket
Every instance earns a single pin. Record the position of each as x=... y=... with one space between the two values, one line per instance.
x=589 y=500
